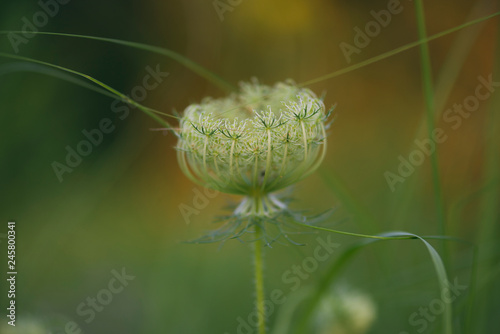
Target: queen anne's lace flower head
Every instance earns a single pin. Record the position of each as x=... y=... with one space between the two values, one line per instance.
x=255 y=142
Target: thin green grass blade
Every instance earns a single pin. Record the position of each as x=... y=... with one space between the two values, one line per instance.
x=226 y=86
x=427 y=86
x=387 y=54
x=391 y=53
x=456 y=57
x=193 y=66
x=36 y=68
x=471 y=299
x=367 y=236
x=334 y=271
x=446 y=79
x=489 y=215
x=396 y=51
x=148 y=111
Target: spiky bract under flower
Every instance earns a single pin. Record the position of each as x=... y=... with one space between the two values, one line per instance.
x=255 y=142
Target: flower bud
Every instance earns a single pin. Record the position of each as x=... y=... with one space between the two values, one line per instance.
x=255 y=142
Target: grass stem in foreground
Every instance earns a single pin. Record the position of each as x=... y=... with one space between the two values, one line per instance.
x=427 y=86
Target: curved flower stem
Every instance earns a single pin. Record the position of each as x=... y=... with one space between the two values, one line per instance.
x=259 y=281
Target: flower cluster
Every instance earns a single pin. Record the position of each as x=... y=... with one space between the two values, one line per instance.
x=255 y=142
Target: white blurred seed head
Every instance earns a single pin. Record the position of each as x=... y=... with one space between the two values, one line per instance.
x=24 y=326
x=346 y=311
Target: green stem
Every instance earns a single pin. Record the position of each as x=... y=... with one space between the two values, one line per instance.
x=487 y=238
x=428 y=89
x=259 y=281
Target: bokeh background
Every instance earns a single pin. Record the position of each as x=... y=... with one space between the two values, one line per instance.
x=119 y=208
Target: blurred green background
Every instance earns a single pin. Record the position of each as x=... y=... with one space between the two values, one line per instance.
x=119 y=208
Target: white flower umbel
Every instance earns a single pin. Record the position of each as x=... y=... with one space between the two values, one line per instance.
x=253 y=143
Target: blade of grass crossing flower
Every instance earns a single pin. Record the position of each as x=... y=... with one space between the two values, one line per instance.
x=228 y=87
x=223 y=84
x=150 y=112
x=193 y=66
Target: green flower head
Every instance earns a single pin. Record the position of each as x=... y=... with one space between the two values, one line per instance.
x=255 y=142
